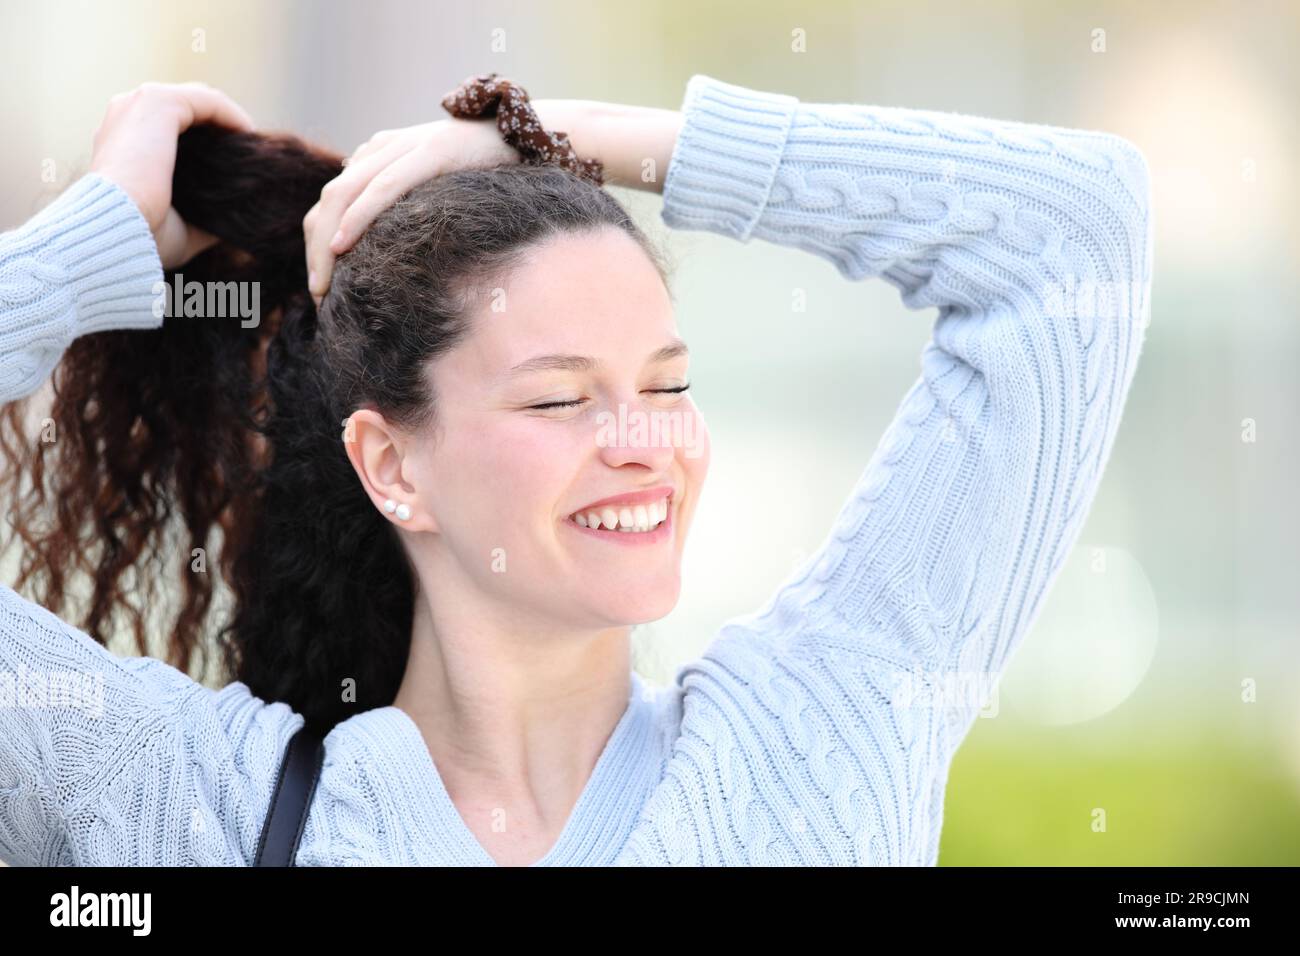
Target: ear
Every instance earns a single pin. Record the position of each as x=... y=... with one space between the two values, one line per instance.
x=378 y=453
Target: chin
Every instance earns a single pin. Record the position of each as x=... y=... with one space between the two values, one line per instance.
x=640 y=606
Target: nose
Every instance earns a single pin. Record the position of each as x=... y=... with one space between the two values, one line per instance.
x=631 y=432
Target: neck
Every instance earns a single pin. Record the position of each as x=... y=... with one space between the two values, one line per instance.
x=515 y=714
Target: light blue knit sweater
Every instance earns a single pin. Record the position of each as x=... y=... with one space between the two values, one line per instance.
x=816 y=730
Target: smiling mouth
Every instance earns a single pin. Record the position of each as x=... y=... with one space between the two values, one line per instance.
x=624 y=519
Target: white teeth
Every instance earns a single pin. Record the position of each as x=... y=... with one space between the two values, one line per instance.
x=635 y=518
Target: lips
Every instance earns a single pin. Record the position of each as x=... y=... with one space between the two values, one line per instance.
x=631 y=499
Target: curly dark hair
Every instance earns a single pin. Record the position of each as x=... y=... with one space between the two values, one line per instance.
x=232 y=437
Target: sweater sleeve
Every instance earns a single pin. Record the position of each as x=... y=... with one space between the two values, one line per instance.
x=108 y=760
x=125 y=761
x=820 y=727
x=85 y=263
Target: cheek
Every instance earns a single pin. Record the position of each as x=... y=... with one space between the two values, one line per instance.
x=693 y=459
x=512 y=473
x=696 y=450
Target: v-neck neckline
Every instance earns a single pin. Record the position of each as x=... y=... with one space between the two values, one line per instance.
x=621 y=779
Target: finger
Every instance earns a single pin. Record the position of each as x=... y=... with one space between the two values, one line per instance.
x=323 y=221
x=179 y=242
x=197 y=240
x=413 y=168
x=371 y=146
x=203 y=104
x=171 y=239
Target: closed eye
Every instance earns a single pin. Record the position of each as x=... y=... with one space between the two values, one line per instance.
x=579 y=401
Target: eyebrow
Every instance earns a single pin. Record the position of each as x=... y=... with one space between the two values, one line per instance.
x=582 y=363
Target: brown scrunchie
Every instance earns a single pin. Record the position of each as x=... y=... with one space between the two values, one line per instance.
x=488 y=94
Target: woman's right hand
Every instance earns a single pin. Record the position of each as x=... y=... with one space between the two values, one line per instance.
x=135 y=147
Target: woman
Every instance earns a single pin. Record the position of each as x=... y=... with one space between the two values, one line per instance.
x=402 y=519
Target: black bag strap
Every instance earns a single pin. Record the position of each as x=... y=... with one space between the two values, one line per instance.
x=299 y=771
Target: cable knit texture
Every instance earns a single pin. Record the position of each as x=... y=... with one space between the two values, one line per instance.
x=817 y=730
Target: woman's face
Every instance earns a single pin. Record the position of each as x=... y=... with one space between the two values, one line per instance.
x=509 y=485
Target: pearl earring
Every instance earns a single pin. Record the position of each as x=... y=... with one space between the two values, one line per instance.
x=390 y=505
x=403 y=511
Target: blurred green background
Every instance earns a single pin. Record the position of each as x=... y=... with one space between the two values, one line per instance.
x=1161 y=684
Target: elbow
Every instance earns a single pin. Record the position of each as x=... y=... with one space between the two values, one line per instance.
x=1131 y=172
x=1112 y=304
x=1132 y=206
x=1116 y=232
x=1128 y=198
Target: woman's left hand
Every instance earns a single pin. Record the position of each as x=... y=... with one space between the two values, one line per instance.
x=634 y=143
x=380 y=171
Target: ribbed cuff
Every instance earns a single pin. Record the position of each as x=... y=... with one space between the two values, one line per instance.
x=105 y=258
x=726 y=156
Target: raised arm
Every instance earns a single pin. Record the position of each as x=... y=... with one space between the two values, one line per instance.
x=91 y=259
x=1032 y=242
x=108 y=760
x=1034 y=245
